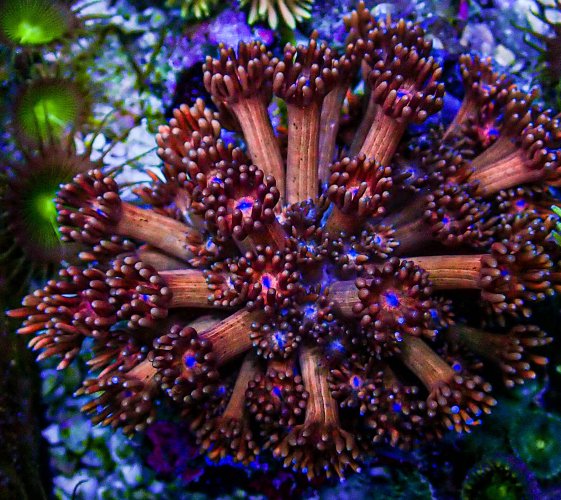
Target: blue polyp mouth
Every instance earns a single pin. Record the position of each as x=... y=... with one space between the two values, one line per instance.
x=392 y=299
x=268 y=282
x=280 y=339
x=356 y=381
x=190 y=360
x=520 y=205
x=244 y=204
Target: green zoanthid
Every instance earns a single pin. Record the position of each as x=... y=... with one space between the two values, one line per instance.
x=500 y=478
x=47 y=109
x=536 y=441
x=32 y=22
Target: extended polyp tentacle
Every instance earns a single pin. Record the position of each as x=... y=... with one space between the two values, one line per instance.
x=91 y=209
x=230 y=433
x=405 y=88
x=242 y=80
x=511 y=352
x=319 y=447
x=457 y=399
x=346 y=67
x=303 y=77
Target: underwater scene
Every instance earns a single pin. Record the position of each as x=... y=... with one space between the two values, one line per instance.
x=280 y=249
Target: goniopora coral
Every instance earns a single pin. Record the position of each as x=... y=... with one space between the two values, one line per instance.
x=305 y=298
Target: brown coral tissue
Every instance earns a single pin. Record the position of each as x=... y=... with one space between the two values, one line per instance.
x=304 y=294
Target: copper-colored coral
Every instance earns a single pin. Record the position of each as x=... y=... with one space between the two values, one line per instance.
x=344 y=345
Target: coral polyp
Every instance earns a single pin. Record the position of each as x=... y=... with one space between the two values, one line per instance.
x=304 y=296
x=277 y=12
x=503 y=477
x=194 y=9
x=31 y=243
x=534 y=442
x=30 y=199
x=34 y=22
x=47 y=109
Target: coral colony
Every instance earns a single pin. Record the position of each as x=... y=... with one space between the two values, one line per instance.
x=300 y=295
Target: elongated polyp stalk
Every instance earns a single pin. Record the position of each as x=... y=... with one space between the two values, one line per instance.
x=383 y=137
x=205 y=322
x=322 y=408
x=489 y=344
x=165 y=233
x=410 y=229
x=339 y=222
x=158 y=260
x=231 y=336
x=141 y=376
x=428 y=366
x=365 y=124
x=412 y=236
x=451 y=272
x=262 y=144
x=188 y=286
x=511 y=352
x=281 y=365
x=446 y=272
x=344 y=295
x=500 y=168
x=248 y=371
x=412 y=211
x=502 y=148
x=329 y=127
x=303 y=147
x=143 y=372
x=468 y=108
x=475 y=339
